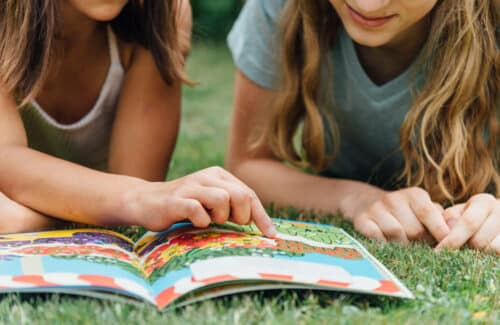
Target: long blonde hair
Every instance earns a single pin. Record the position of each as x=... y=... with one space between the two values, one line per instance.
x=28 y=29
x=449 y=136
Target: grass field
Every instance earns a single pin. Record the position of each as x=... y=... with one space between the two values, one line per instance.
x=450 y=288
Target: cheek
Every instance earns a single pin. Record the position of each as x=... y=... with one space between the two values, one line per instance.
x=336 y=4
x=416 y=10
x=80 y=5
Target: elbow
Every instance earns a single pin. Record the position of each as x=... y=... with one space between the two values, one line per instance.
x=232 y=163
x=235 y=162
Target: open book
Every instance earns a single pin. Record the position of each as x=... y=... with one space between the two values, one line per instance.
x=184 y=264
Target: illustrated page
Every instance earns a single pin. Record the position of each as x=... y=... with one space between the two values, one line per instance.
x=185 y=259
x=66 y=260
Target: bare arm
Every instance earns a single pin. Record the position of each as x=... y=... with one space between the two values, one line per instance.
x=50 y=185
x=148 y=114
x=272 y=180
x=147 y=121
x=71 y=192
x=143 y=140
x=401 y=215
x=148 y=117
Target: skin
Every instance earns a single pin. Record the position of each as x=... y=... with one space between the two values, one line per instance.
x=476 y=222
x=387 y=51
x=403 y=215
x=132 y=191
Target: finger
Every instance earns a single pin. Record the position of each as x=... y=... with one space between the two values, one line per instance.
x=404 y=214
x=495 y=245
x=426 y=211
x=390 y=226
x=261 y=218
x=214 y=199
x=240 y=199
x=487 y=233
x=453 y=213
x=369 y=229
x=195 y=212
x=169 y=211
x=241 y=202
x=470 y=222
x=243 y=214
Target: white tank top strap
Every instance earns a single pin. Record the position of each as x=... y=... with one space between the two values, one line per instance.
x=113 y=46
x=87 y=140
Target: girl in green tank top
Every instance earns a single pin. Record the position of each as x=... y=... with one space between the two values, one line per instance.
x=89 y=113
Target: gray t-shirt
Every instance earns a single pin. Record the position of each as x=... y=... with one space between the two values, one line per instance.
x=368 y=115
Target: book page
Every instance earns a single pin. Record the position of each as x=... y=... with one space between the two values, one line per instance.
x=184 y=259
x=87 y=259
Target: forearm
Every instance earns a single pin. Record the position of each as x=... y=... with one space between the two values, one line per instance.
x=62 y=189
x=275 y=182
x=147 y=121
x=151 y=165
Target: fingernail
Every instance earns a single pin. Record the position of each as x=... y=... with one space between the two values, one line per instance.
x=271 y=231
x=451 y=222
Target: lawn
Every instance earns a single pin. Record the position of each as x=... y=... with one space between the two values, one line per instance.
x=450 y=287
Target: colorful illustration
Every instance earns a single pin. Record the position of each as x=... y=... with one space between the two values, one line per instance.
x=180 y=249
x=166 y=267
x=95 y=246
x=70 y=237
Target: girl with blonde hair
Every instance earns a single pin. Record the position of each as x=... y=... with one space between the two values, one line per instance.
x=89 y=112
x=391 y=105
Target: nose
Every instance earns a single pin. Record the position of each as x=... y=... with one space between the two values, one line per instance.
x=369 y=6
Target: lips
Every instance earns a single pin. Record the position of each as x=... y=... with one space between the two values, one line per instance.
x=370 y=22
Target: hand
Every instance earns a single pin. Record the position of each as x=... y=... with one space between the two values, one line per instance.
x=210 y=195
x=477 y=222
x=403 y=215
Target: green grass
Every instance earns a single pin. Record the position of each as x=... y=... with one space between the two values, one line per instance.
x=454 y=287
x=206 y=111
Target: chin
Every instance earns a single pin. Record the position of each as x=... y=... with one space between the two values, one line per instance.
x=105 y=13
x=369 y=39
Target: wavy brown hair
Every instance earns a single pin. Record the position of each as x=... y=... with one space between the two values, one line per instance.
x=28 y=29
x=450 y=133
